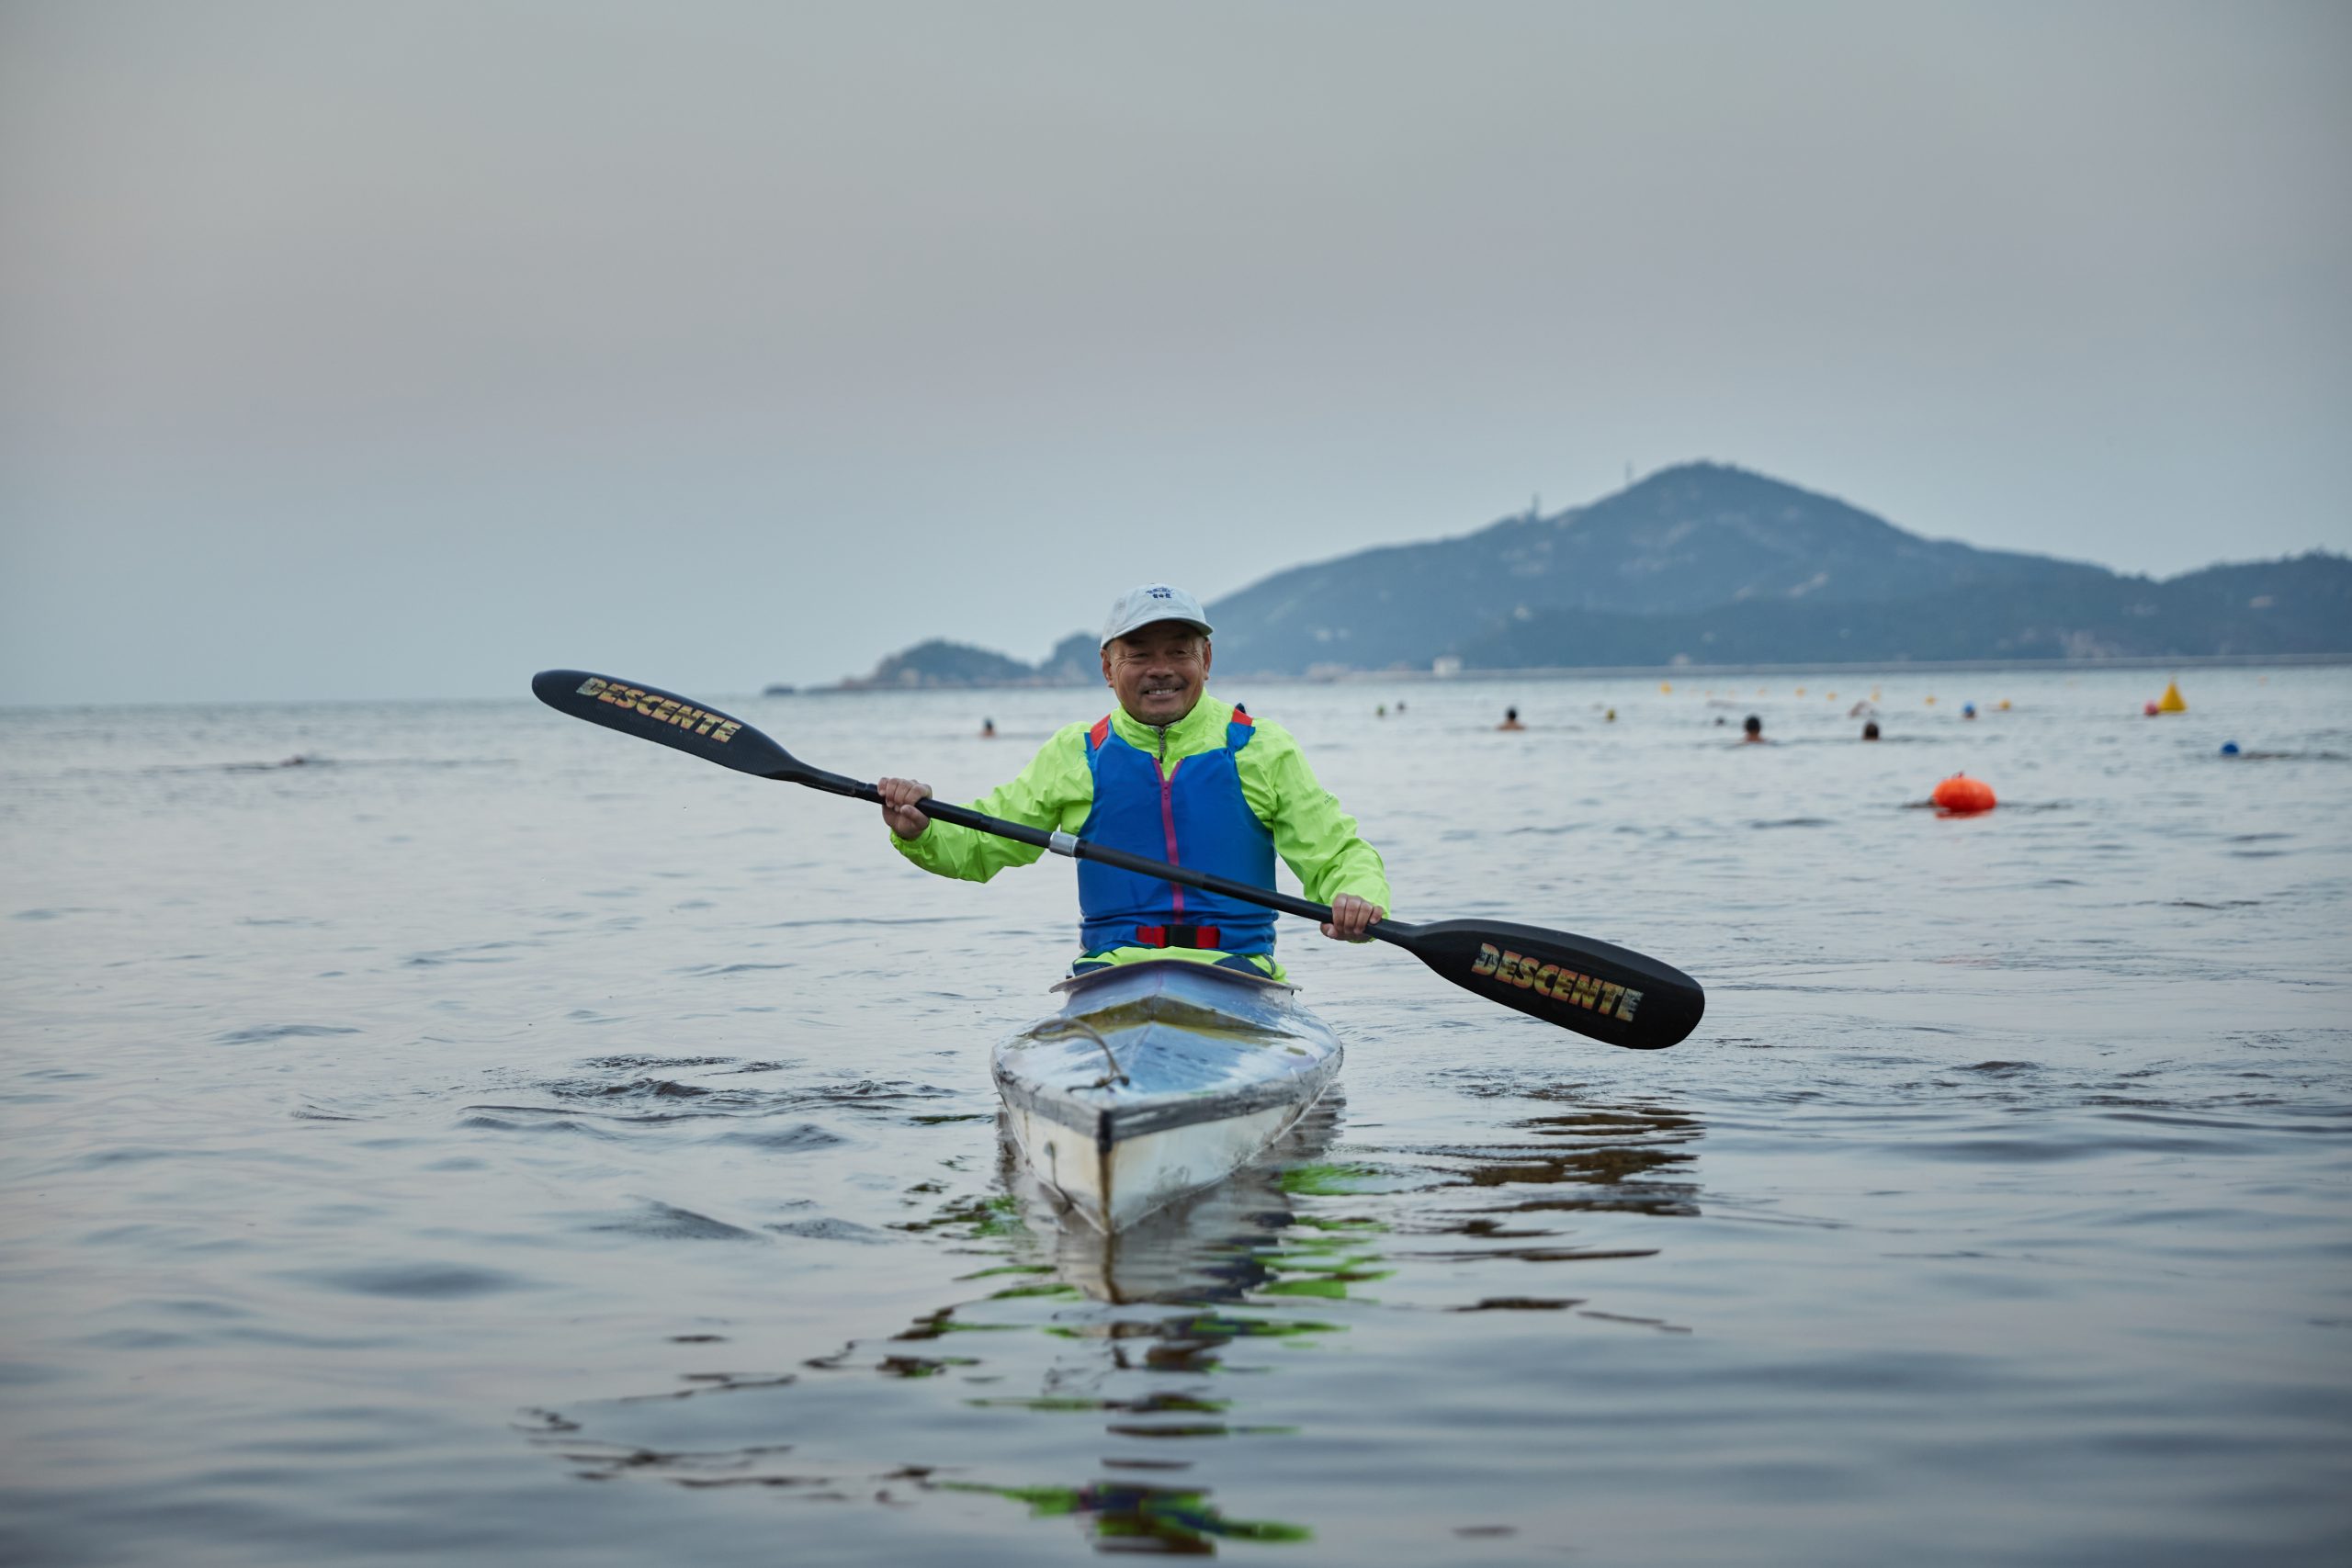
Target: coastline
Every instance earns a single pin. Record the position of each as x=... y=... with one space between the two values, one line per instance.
x=1663 y=671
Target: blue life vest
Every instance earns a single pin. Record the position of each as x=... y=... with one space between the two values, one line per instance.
x=1196 y=817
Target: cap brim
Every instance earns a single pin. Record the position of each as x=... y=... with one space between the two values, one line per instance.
x=1201 y=627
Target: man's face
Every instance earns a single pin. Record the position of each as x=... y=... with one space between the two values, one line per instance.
x=1158 y=671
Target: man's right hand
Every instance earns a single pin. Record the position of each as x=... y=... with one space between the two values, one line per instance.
x=898 y=797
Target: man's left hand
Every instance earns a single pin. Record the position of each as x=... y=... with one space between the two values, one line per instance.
x=1350 y=918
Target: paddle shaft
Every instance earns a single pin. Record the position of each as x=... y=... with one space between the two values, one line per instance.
x=1103 y=854
x=1611 y=993
x=1598 y=987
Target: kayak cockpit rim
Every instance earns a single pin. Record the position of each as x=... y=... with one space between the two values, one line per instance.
x=1107 y=1121
x=1077 y=982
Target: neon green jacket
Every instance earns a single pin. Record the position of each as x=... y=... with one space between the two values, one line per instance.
x=1314 y=838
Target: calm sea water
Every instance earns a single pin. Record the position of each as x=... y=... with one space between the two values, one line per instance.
x=501 y=1138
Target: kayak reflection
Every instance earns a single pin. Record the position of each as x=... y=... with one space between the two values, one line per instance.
x=1191 y=1275
x=1121 y=1381
x=1126 y=1516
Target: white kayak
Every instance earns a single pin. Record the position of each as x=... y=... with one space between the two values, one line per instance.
x=1156 y=1079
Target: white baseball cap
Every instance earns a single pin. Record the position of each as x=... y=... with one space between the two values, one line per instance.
x=1152 y=602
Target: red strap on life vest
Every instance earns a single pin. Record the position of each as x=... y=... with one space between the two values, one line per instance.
x=1208 y=937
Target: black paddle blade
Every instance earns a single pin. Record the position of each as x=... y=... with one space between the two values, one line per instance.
x=651 y=714
x=1613 y=994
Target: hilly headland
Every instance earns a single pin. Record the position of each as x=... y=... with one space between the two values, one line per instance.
x=1705 y=564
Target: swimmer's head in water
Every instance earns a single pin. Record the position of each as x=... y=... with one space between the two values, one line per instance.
x=1753 y=725
x=1869 y=730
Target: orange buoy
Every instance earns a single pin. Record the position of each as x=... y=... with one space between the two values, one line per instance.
x=1961 y=794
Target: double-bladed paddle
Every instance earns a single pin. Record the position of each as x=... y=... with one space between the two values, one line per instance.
x=1610 y=992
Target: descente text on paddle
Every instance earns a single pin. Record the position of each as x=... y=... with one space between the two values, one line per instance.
x=1560 y=985
x=669 y=710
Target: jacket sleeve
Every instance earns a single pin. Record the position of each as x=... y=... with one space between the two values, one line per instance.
x=1056 y=790
x=1315 y=839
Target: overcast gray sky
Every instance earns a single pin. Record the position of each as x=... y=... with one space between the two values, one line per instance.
x=401 y=349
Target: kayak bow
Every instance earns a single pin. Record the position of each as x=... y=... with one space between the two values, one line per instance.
x=1157 y=1079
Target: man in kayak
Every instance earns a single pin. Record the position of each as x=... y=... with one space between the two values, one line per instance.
x=1176 y=776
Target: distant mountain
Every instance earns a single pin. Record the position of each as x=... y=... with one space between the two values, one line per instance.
x=1714 y=565
x=2303 y=605
x=1693 y=538
x=942 y=663
x=1074 y=661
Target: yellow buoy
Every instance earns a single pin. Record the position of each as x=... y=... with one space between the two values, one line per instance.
x=1800 y=691
x=1931 y=702
x=2005 y=705
x=2171 y=701
x=1831 y=697
x=1666 y=685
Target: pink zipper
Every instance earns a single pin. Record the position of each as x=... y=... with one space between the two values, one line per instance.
x=1167 y=822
